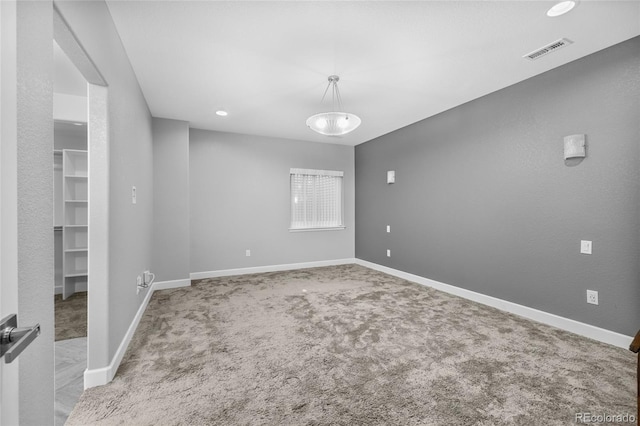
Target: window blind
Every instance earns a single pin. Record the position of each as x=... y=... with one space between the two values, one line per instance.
x=316 y=199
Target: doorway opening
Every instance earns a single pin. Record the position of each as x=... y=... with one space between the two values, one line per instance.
x=71 y=231
x=84 y=267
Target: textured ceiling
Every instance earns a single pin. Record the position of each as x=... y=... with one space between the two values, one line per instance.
x=267 y=63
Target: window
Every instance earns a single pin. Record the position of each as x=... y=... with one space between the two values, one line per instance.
x=316 y=199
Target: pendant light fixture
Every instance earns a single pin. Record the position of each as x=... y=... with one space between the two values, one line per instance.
x=334 y=123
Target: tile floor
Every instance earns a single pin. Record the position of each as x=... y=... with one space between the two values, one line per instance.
x=71 y=361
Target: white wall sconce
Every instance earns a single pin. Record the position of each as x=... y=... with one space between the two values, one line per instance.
x=574 y=146
x=391 y=176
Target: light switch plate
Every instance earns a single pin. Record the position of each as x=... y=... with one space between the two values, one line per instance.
x=391 y=176
x=388 y=228
x=388 y=253
x=586 y=247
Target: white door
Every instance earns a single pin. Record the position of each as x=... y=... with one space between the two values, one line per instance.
x=8 y=372
x=36 y=381
x=9 y=407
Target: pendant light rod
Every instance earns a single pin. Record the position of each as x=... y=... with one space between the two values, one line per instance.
x=335 y=92
x=337 y=122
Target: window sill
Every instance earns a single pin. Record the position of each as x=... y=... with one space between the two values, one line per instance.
x=333 y=228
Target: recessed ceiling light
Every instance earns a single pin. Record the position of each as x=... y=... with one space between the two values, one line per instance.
x=561 y=8
x=222 y=113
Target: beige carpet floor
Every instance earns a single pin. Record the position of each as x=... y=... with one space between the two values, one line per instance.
x=71 y=316
x=347 y=345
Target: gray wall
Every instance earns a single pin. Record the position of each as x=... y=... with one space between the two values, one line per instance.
x=240 y=200
x=170 y=199
x=131 y=163
x=35 y=206
x=485 y=201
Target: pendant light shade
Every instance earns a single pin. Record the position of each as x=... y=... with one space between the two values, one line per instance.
x=334 y=123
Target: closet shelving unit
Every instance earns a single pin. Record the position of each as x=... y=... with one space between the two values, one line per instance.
x=75 y=193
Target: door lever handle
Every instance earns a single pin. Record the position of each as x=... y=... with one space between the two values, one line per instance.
x=14 y=340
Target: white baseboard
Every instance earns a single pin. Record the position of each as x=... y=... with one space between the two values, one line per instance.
x=98 y=376
x=270 y=268
x=102 y=376
x=576 y=327
x=166 y=285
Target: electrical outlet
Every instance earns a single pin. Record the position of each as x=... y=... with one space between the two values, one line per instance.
x=388 y=253
x=586 y=247
x=247 y=253
x=138 y=284
x=134 y=196
x=592 y=297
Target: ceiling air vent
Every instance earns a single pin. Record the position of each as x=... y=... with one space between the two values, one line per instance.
x=545 y=50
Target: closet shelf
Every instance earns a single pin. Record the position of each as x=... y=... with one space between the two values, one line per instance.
x=76 y=274
x=75 y=193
